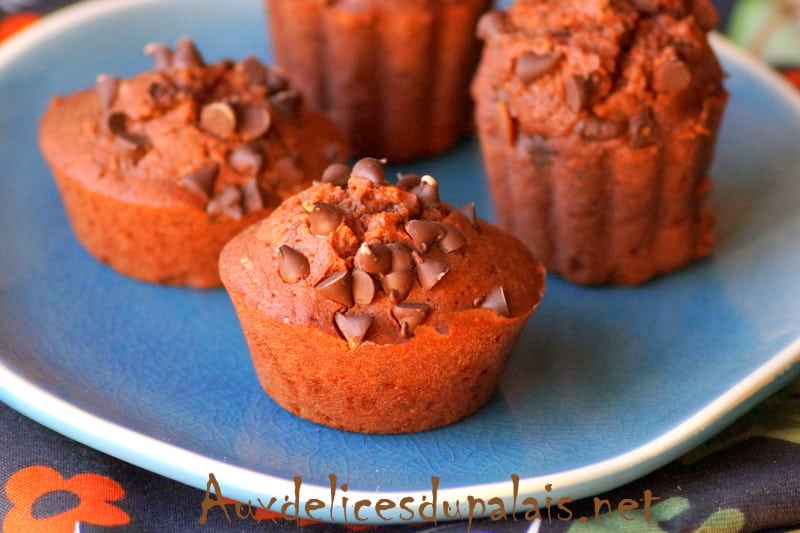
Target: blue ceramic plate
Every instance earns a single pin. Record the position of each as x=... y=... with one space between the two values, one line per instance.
x=606 y=385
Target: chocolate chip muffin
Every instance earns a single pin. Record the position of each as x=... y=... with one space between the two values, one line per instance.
x=157 y=172
x=393 y=73
x=374 y=307
x=598 y=121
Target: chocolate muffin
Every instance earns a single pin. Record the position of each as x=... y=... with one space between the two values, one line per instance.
x=393 y=73
x=377 y=308
x=598 y=121
x=157 y=172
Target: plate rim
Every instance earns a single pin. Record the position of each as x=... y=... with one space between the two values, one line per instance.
x=186 y=466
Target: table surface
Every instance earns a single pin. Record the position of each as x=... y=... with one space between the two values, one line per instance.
x=745 y=479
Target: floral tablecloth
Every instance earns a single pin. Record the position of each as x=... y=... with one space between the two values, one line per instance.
x=745 y=479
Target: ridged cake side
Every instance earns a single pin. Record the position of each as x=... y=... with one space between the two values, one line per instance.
x=395 y=75
x=598 y=124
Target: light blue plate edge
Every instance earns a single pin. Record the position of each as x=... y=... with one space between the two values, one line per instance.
x=190 y=468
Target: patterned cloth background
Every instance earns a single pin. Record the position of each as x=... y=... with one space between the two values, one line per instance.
x=745 y=479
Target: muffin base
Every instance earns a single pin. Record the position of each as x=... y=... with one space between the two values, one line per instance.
x=597 y=212
x=430 y=381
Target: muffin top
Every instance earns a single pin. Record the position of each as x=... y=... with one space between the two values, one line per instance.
x=369 y=261
x=388 y=5
x=229 y=137
x=598 y=67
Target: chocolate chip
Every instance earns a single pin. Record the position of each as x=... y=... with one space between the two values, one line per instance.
x=508 y=125
x=671 y=76
x=226 y=202
x=561 y=35
x=430 y=271
x=324 y=218
x=398 y=284
x=292 y=265
x=129 y=155
x=254 y=121
x=594 y=128
x=407 y=181
x=336 y=174
x=132 y=142
x=530 y=66
x=229 y=195
x=287 y=102
x=424 y=233
x=125 y=142
x=401 y=256
x=161 y=54
x=492 y=24
x=648 y=7
x=706 y=15
x=577 y=92
x=496 y=301
x=374 y=258
x=116 y=123
x=276 y=82
x=161 y=94
x=246 y=159
x=107 y=87
x=427 y=190
x=186 y=55
x=201 y=181
x=642 y=128
x=371 y=169
x=453 y=239
x=410 y=316
x=131 y=147
x=353 y=327
x=218 y=119
x=537 y=148
x=468 y=212
x=337 y=287
x=253 y=201
x=363 y=287
x=255 y=72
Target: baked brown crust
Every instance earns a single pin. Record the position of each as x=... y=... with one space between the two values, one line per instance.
x=598 y=122
x=394 y=74
x=158 y=171
x=408 y=371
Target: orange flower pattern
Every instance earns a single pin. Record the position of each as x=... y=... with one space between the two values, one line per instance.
x=94 y=492
x=13 y=23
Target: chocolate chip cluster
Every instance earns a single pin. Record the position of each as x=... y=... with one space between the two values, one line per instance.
x=233 y=103
x=385 y=269
x=669 y=71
